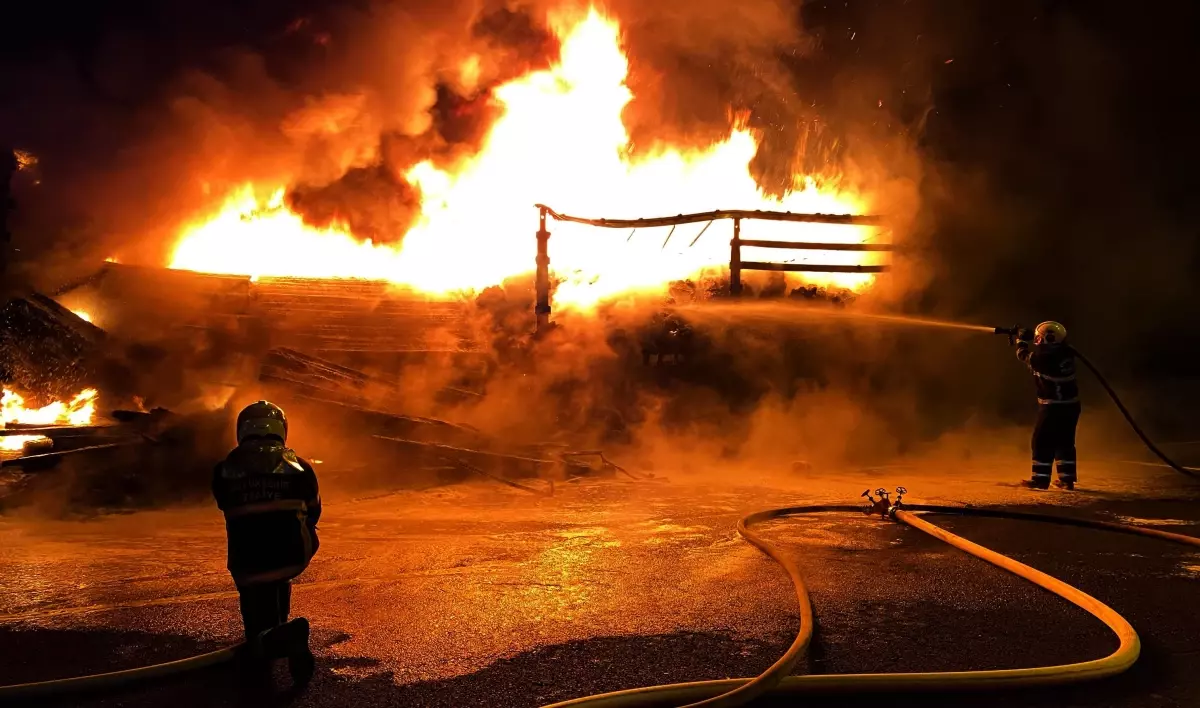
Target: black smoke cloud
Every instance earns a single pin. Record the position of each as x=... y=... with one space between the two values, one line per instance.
x=144 y=116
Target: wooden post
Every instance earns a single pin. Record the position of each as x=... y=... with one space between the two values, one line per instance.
x=735 y=260
x=542 y=277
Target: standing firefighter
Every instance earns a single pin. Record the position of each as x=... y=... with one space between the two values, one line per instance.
x=1052 y=363
x=271 y=503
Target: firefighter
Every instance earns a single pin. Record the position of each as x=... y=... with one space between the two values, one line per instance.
x=272 y=505
x=1052 y=362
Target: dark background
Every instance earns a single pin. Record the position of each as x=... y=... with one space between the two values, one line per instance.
x=1057 y=140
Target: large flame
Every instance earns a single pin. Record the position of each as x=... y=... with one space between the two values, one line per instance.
x=18 y=443
x=560 y=141
x=78 y=411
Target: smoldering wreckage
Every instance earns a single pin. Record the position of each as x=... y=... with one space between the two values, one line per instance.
x=378 y=376
x=307 y=344
x=403 y=378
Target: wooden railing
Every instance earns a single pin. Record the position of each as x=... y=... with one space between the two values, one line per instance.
x=736 y=264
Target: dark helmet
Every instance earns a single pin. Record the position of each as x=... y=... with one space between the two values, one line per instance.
x=262 y=419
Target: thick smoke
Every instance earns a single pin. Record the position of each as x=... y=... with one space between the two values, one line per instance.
x=1042 y=142
x=337 y=102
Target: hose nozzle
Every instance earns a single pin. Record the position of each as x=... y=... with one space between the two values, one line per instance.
x=1013 y=333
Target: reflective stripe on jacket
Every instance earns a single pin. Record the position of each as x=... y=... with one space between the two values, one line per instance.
x=271 y=504
x=1053 y=369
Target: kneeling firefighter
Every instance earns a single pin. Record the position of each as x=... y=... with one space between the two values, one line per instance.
x=271 y=504
x=1052 y=362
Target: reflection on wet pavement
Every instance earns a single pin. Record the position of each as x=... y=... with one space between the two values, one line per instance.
x=428 y=586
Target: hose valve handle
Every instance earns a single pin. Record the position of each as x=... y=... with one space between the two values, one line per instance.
x=893 y=508
x=879 y=506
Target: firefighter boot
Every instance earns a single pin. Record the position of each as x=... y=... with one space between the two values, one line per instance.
x=301 y=662
x=1066 y=474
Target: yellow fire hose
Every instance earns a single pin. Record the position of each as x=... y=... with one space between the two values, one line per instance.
x=114 y=679
x=777 y=679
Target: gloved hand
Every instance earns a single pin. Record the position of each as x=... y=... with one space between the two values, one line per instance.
x=1024 y=335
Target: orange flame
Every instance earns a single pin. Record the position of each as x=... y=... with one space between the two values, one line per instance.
x=17 y=443
x=78 y=411
x=560 y=141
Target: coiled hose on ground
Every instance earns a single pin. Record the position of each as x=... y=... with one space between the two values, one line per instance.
x=777 y=678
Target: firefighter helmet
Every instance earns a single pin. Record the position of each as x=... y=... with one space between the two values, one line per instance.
x=1050 y=333
x=262 y=419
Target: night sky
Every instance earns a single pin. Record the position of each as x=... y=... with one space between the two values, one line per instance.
x=1057 y=140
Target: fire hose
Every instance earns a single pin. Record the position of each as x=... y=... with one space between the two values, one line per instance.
x=1133 y=423
x=114 y=679
x=777 y=679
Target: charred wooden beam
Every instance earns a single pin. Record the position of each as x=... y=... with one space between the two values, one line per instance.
x=810 y=268
x=501 y=480
x=467 y=452
x=508 y=464
x=605 y=463
x=310 y=378
x=380 y=423
x=847 y=219
x=52 y=431
x=51 y=459
x=293 y=360
x=817 y=246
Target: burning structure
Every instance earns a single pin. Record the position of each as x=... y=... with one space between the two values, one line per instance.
x=558 y=138
x=325 y=285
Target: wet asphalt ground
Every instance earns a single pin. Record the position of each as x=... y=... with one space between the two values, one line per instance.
x=482 y=595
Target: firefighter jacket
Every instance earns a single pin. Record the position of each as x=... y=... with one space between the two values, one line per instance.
x=271 y=503
x=1053 y=369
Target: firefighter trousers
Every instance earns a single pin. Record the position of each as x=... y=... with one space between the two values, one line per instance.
x=1054 y=440
x=265 y=605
